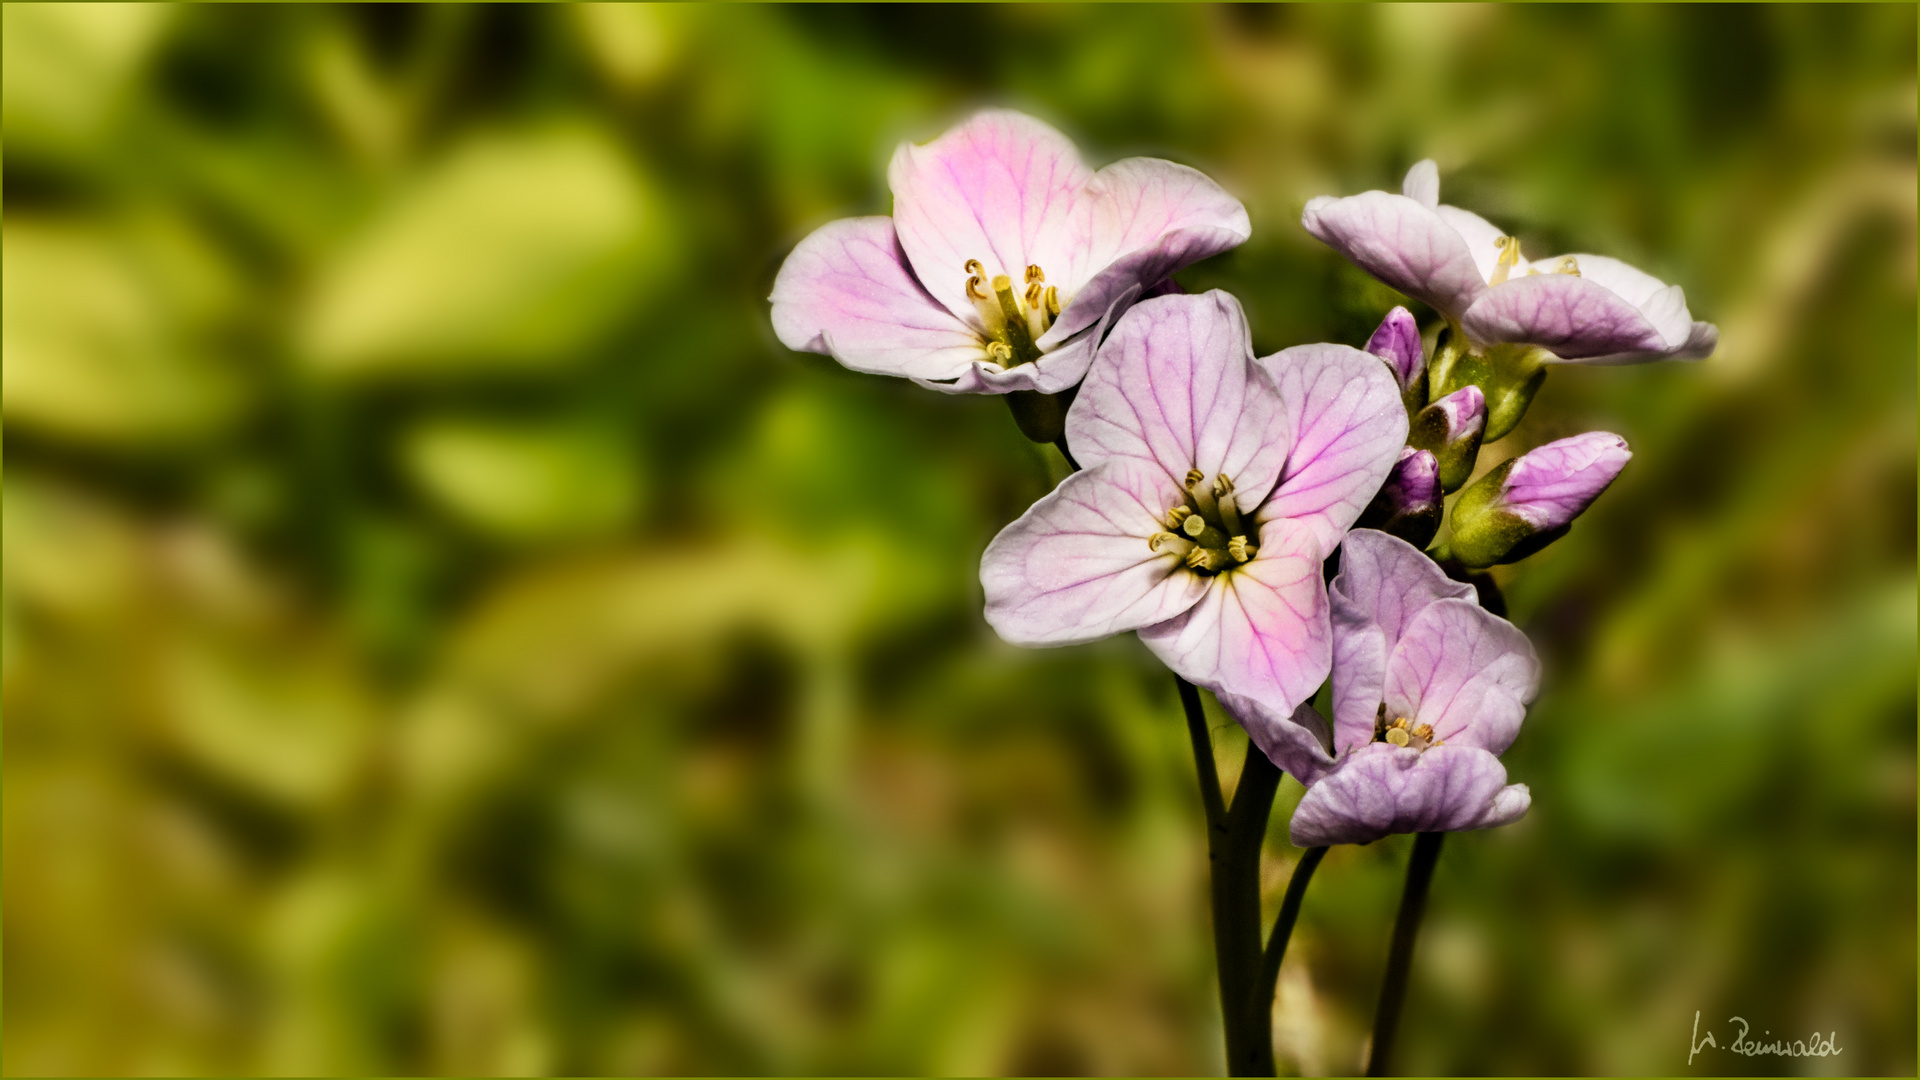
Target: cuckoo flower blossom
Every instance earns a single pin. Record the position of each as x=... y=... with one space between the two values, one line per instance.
x=1581 y=308
x=1213 y=486
x=1003 y=261
x=1428 y=690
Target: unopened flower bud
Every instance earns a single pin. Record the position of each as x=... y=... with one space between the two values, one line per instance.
x=1397 y=341
x=1530 y=501
x=1451 y=428
x=1408 y=505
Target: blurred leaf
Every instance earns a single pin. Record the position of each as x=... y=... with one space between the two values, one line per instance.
x=523 y=481
x=107 y=333
x=513 y=253
x=67 y=66
x=289 y=724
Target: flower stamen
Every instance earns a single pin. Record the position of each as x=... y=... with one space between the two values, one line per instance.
x=1171 y=544
x=1509 y=258
x=1209 y=524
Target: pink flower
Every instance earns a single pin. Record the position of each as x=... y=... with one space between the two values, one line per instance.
x=1581 y=308
x=1003 y=262
x=1213 y=487
x=1428 y=690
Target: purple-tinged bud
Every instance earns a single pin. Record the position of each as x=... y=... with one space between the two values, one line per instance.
x=1530 y=501
x=1397 y=341
x=1451 y=428
x=1408 y=505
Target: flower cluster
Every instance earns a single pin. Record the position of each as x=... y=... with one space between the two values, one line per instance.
x=1212 y=486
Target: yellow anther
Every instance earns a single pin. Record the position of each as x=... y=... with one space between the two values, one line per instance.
x=1568 y=265
x=977 y=277
x=1509 y=258
x=1035 y=294
x=1222 y=486
x=1397 y=736
x=1401 y=723
x=1000 y=353
x=1194 y=525
x=1176 y=516
x=1424 y=731
x=1034 y=273
x=1194 y=476
x=1241 y=550
x=1053 y=302
x=1204 y=558
x=1175 y=544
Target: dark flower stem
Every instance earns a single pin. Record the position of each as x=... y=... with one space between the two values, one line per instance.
x=1283 y=930
x=1406 y=928
x=1235 y=835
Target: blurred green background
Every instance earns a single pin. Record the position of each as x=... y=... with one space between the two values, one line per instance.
x=445 y=631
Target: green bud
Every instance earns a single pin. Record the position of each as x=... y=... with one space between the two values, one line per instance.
x=1508 y=375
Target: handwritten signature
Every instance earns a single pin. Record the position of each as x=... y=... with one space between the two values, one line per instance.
x=1816 y=1046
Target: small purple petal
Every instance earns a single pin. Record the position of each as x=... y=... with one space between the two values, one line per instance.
x=1297 y=743
x=1414 y=482
x=1464 y=670
x=1076 y=566
x=1397 y=341
x=1403 y=243
x=1569 y=316
x=846 y=291
x=1347 y=426
x=1549 y=486
x=1147 y=219
x=1383 y=584
x=1465 y=412
x=1381 y=790
x=1175 y=384
x=1003 y=188
x=1261 y=629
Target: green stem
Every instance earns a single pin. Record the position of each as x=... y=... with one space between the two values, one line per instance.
x=1406 y=928
x=1234 y=838
x=1283 y=929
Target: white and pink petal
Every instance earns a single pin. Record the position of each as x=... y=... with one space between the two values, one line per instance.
x=1346 y=426
x=1464 y=670
x=846 y=291
x=1077 y=567
x=1146 y=218
x=1175 y=384
x=1403 y=243
x=1002 y=188
x=1259 y=631
x=1381 y=790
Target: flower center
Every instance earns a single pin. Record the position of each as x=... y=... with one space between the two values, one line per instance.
x=1206 y=530
x=1402 y=731
x=1510 y=257
x=1014 y=321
